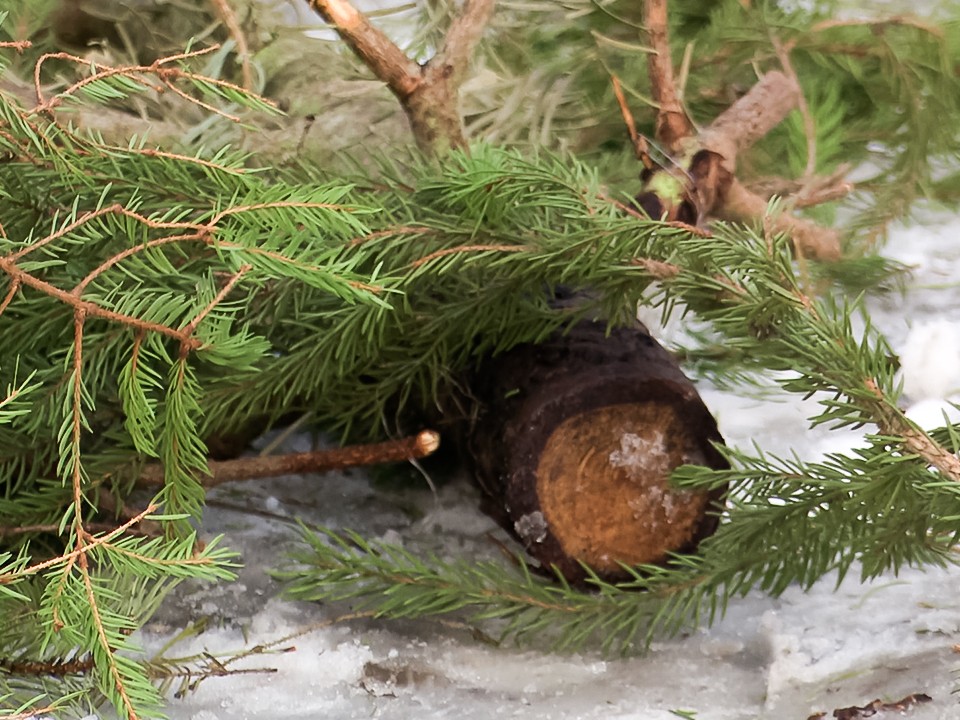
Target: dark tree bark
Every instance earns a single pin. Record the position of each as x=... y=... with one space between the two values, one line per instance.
x=574 y=444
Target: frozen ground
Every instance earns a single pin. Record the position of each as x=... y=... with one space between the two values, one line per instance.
x=782 y=659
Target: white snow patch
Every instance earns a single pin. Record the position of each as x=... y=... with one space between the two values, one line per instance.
x=933 y=413
x=930 y=360
x=532 y=527
x=640 y=455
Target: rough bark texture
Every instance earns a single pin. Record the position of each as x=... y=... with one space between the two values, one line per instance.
x=574 y=445
x=673 y=125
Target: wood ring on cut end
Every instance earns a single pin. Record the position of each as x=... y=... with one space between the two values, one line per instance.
x=603 y=485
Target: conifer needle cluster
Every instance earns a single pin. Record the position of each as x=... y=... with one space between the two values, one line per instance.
x=152 y=299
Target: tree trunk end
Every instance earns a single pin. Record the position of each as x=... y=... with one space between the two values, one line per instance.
x=575 y=443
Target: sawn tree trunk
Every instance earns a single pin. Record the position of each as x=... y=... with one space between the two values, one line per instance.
x=574 y=444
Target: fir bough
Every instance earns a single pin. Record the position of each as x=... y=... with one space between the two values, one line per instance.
x=151 y=299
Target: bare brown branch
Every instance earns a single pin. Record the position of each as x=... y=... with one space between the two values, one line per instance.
x=752 y=116
x=467 y=249
x=810 y=239
x=224 y=291
x=892 y=423
x=11 y=293
x=462 y=37
x=429 y=95
x=673 y=125
x=708 y=186
x=424 y=443
x=229 y=18
x=377 y=51
x=806 y=192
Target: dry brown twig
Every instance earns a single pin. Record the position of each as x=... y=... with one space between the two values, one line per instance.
x=33 y=713
x=230 y=19
x=418 y=446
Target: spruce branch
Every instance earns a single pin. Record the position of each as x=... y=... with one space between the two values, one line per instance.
x=880 y=502
x=108 y=82
x=391 y=582
x=354 y=299
x=11 y=576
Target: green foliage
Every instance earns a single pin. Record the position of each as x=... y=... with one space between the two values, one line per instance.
x=151 y=300
x=882 y=507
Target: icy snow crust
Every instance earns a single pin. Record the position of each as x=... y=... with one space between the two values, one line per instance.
x=782 y=659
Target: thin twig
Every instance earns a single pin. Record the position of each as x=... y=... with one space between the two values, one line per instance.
x=90 y=308
x=129 y=71
x=230 y=19
x=639 y=144
x=153 y=152
x=7 y=578
x=467 y=249
x=33 y=714
x=123 y=255
x=11 y=293
x=167 y=76
x=224 y=291
x=18 y=45
x=424 y=443
x=115 y=209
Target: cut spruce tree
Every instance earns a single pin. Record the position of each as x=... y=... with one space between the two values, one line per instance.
x=155 y=299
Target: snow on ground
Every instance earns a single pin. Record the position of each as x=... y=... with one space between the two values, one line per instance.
x=782 y=659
